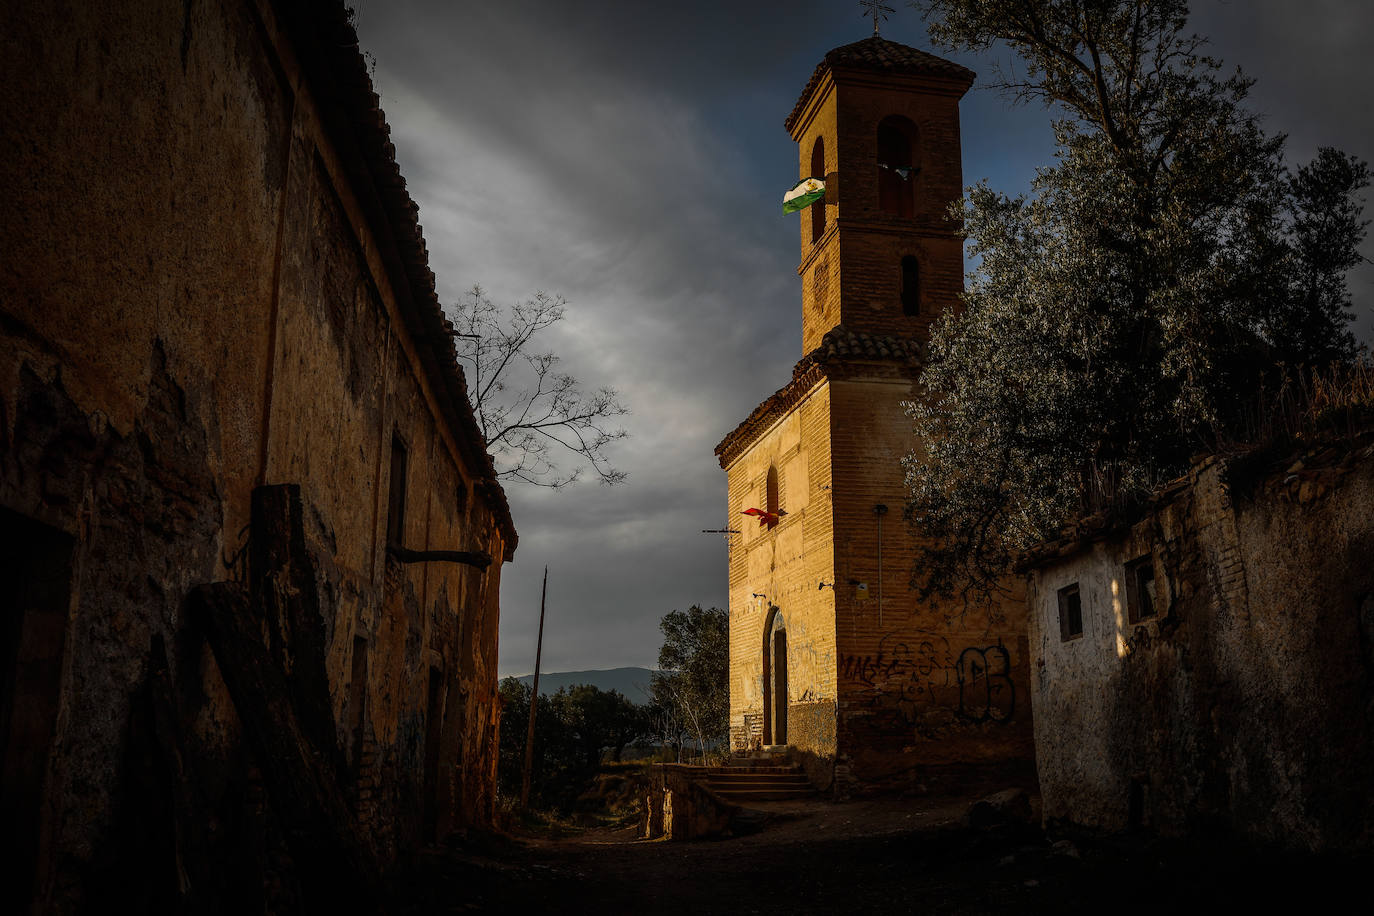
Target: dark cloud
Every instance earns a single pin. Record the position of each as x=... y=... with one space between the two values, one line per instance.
x=632 y=157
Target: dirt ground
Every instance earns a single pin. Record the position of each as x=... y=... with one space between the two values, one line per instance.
x=888 y=855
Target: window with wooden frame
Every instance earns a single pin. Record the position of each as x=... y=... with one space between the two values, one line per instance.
x=1140 y=589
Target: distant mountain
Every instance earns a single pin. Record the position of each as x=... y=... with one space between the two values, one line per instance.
x=633 y=683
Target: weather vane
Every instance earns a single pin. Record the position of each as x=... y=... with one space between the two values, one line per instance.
x=877 y=9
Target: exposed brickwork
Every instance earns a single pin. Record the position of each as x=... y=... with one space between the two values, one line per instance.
x=863 y=246
x=878 y=683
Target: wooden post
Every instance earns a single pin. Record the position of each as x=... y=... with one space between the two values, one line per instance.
x=534 y=698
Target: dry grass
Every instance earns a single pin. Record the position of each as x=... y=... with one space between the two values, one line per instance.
x=1337 y=403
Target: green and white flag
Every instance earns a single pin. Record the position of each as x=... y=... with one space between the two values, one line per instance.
x=806 y=193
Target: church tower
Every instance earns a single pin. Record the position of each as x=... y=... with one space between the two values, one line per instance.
x=879 y=121
x=834 y=660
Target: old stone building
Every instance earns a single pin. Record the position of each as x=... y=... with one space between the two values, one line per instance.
x=831 y=653
x=222 y=361
x=1211 y=666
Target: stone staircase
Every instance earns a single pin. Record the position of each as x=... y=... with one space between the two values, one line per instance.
x=742 y=780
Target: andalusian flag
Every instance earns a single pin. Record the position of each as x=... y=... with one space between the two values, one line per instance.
x=806 y=193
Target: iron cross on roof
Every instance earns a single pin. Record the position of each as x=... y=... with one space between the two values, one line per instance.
x=876 y=9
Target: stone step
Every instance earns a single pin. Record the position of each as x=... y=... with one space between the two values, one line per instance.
x=764 y=794
x=778 y=780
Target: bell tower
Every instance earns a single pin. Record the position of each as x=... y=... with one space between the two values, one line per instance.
x=879 y=121
x=832 y=654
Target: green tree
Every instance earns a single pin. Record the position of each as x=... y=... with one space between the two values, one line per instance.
x=690 y=687
x=598 y=720
x=1165 y=264
x=572 y=729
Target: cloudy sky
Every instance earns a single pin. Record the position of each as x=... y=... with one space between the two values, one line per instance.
x=631 y=156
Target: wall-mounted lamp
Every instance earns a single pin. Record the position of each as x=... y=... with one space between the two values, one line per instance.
x=821 y=585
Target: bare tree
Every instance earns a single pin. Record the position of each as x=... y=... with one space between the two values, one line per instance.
x=528 y=411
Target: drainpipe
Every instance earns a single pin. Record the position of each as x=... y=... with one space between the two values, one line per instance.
x=880 y=510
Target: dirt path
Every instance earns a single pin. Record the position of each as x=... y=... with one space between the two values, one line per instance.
x=889 y=855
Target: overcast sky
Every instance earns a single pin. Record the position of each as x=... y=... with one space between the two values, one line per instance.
x=632 y=157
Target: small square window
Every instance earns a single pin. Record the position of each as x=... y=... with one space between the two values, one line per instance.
x=1140 y=589
x=1070 y=613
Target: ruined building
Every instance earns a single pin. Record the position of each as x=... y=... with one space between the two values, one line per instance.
x=831 y=652
x=252 y=539
x=1211 y=666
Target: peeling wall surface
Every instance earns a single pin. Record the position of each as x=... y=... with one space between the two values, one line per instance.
x=878 y=684
x=212 y=280
x=1245 y=702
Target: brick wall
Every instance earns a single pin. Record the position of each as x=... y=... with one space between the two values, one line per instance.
x=862 y=247
x=920 y=683
x=784 y=564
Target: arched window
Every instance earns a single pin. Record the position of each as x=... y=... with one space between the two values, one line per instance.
x=911 y=286
x=896 y=166
x=772 y=496
x=818 y=208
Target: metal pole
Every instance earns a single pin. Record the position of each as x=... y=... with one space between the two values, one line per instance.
x=880 y=510
x=534 y=698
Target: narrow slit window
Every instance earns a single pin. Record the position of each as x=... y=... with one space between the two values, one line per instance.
x=818 y=208
x=1070 y=613
x=396 y=499
x=773 y=504
x=911 y=286
x=461 y=502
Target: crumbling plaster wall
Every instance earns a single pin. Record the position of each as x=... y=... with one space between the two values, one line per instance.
x=921 y=683
x=1248 y=703
x=194 y=303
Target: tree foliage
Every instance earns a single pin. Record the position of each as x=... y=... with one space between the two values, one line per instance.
x=573 y=728
x=531 y=415
x=689 y=691
x=1167 y=263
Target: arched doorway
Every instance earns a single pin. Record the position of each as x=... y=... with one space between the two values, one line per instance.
x=775 y=678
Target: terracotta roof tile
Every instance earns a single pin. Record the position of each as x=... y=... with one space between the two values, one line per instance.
x=839 y=345
x=881 y=56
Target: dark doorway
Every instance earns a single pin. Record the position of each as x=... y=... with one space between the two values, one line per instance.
x=780 y=687
x=434 y=717
x=775 y=679
x=35 y=590
x=357 y=706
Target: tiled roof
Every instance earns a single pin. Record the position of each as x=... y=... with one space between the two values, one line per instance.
x=881 y=56
x=327 y=45
x=839 y=345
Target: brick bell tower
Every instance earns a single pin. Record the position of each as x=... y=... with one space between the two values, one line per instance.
x=879 y=121
x=835 y=663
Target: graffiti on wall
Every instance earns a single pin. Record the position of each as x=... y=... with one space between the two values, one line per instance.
x=986 y=691
x=907 y=675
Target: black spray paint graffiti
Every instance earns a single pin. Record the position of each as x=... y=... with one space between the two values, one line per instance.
x=986 y=691
x=907 y=676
